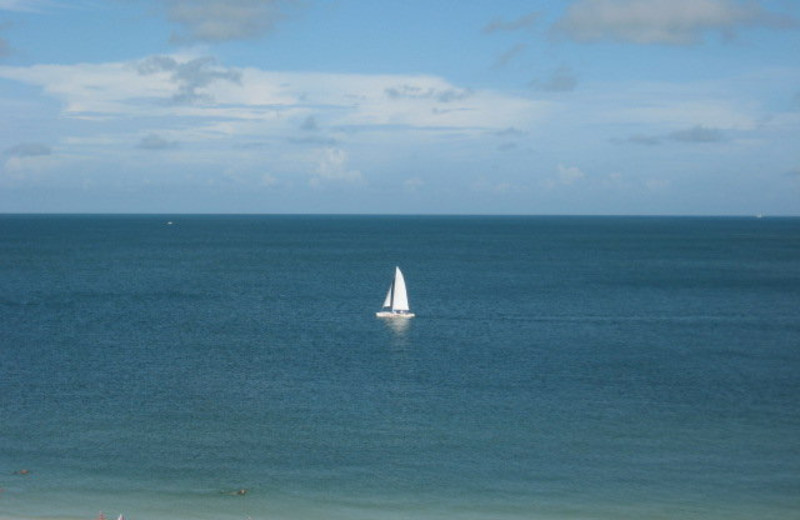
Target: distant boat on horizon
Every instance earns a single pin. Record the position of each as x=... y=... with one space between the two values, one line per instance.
x=396 y=303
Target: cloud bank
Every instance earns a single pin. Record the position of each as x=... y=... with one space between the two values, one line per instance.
x=199 y=88
x=271 y=125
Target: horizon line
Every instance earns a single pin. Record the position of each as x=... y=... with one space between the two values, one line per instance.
x=323 y=214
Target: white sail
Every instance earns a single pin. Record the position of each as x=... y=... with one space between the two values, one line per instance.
x=399 y=294
x=388 y=301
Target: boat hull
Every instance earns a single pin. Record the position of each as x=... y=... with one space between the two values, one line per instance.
x=390 y=314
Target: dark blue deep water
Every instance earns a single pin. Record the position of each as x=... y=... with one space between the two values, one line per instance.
x=558 y=368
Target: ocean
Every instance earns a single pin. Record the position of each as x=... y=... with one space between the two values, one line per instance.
x=558 y=368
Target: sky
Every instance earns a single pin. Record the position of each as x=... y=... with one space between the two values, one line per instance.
x=582 y=107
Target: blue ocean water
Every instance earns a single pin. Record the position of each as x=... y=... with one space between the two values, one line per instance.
x=558 y=368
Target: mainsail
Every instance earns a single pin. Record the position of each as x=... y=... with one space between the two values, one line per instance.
x=399 y=294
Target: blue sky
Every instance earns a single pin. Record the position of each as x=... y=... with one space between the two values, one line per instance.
x=402 y=106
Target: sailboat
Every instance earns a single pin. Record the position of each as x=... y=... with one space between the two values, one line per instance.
x=396 y=303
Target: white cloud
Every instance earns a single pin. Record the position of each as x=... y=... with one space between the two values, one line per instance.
x=332 y=166
x=27 y=168
x=268 y=180
x=667 y=22
x=107 y=88
x=446 y=95
x=413 y=184
x=569 y=174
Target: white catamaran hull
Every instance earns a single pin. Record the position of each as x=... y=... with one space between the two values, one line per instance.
x=390 y=314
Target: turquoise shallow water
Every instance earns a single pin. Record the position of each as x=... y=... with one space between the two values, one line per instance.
x=558 y=368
